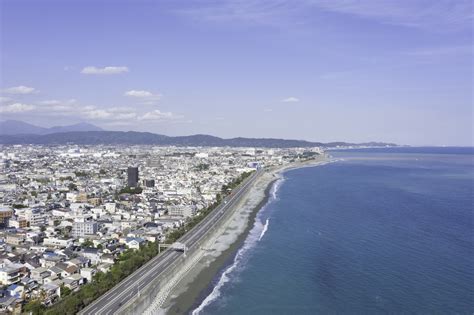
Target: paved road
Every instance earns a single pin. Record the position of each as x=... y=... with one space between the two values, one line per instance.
x=122 y=293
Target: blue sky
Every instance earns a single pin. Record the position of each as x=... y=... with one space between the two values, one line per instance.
x=322 y=70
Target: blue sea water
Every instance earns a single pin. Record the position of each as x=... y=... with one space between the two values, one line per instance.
x=380 y=231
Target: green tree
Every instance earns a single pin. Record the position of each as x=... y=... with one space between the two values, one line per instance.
x=65 y=291
x=34 y=307
x=88 y=243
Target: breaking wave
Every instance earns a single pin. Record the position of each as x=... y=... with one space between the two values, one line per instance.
x=255 y=235
x=265 y=228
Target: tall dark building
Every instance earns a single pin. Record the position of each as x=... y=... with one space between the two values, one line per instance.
x=132 y=173
x=150 y=183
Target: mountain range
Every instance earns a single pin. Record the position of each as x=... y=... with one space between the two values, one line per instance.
x=17 y=132
x=16 y=127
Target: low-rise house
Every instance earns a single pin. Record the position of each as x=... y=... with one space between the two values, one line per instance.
x=16 y=290
x=52 y=292
x=73 y=282
x=55 y=270
x=58 y=242
x=15 y=238
x=9 y=304
x=9 y=275
x=80 y=262
x=134 y=242
x=107 y=258
x=39 y=274
x=88 y=273
x=51 y=278
x=91 y=253
x=50 y=259
x=29 y=285
x=105 y=267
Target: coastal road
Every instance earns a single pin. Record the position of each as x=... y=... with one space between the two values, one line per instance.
x=130 y=287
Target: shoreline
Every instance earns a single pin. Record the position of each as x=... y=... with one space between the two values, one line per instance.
x=199 y=281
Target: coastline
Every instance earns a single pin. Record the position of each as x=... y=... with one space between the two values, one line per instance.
x=195 y=284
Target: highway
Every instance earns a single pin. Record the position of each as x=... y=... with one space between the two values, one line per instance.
x=127 y=289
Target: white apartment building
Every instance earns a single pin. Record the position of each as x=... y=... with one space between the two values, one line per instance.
x=182 y=210
x=81 y=229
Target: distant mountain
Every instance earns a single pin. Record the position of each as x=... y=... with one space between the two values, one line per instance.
x=16 y=127
x=137 y=138
x=76 y=127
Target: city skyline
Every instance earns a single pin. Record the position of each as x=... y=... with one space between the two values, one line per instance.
x=315 y=70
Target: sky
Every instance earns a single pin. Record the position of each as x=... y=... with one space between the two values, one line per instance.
x=321 y=70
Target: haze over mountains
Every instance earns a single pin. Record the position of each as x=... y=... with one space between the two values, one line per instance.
x=17 y=127
x=17 y=132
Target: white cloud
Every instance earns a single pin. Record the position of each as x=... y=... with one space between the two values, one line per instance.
x=50 y=102
x=157 y=115
x=20 y=90
x=4 y=99
x=58 y=107
x=104 y=70
x=58 y=102
x=111 y=113
x=146 y=97
x=138 y=93
x=105 y=115
x=16 y=108
x=290 y=99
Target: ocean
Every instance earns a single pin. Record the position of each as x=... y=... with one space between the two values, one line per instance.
x=377 y=231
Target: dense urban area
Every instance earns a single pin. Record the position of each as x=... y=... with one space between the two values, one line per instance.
x=76 y=220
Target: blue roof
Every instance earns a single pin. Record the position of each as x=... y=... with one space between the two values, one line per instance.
x=12 y=287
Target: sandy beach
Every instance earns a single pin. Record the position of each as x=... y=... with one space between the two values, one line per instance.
x=191 y=287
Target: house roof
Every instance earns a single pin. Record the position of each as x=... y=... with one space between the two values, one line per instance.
x=50 y=286
x=136 y=239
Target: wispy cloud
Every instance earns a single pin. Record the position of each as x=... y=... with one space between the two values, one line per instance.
x=113 y=113
x=105 y=70
x=59 y=107
x=158 y=115
x=145 y=96
x=253 y=11
x=20 y=90
x=290 y=99
x=138 y=93
x=58 y=102
x=440 y=15
x=16 y=108
x=442 y=51
x=109 y=115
